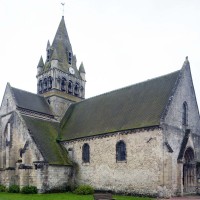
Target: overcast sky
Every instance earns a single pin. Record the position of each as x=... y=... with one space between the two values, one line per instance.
x=121 y=42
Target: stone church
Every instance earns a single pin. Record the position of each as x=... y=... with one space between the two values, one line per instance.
x=141 y=139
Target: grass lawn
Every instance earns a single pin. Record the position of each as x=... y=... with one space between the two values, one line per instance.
x=60 y=196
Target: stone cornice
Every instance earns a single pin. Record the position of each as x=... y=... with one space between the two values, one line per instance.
x=104 y=135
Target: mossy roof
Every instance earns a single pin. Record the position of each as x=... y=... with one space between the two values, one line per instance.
x=137 y=106
x=62 y=37
x=31 y=101
x=45 y=135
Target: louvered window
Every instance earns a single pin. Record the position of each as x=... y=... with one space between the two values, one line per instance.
x=70 y=87
x=70 y=58
x=76 y=89
x=45 y=84
x=63 y=84
x=49 y=82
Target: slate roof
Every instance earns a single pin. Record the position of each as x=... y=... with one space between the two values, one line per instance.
x=30 y=101
x=137 y=106
x=45 y=134
x=62 y=37
x=41 y=63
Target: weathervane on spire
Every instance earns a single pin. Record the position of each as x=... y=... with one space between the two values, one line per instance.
x=63 y=4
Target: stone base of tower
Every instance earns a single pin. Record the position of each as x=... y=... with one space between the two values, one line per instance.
x=60 y=101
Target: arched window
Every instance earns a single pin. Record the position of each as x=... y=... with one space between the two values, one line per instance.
x=121 y=151
x=49 y=82
x=70 y=87
x=45 y=84
x=76 y=89
x=63 y=84
x=86 y=153
x=185 y=114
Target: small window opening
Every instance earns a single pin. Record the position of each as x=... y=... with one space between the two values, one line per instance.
x=86 y=153
x=49 y=82
x=76 y=89
x=48 y=55
x=70 y=58
x=70 y=89
x=45 y=84
x=63 y=84
x=185 y=114
x=121 y=151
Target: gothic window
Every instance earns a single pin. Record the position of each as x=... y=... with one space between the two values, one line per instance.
x=63 y=84
x=49 y=82
x=70 y=58
x=76 y=89
x=121 y=151
x=70 y=87
x=86 y=153
x=45 y=84
x=40 y=86
x=185 y=114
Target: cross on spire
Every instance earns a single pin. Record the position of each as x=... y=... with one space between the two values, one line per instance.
x=63 y=10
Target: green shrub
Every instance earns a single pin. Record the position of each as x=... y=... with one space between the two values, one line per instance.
x=29 y=190
x=84 y=189
x=14 y=189
x=2 y=188
x=56 y=190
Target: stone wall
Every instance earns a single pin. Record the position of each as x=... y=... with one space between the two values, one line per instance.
x=22 y=170
x=174 y=130
x=58 y=177
x=141 y=173
x=10 y=152
x=8 y=103
x=17 y=166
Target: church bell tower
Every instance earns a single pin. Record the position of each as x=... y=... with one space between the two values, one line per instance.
x=58 y=78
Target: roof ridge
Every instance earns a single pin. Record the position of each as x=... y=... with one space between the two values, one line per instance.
x=125 y=87
x=26 y=91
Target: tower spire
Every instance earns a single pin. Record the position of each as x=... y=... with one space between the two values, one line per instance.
x=58 y=79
